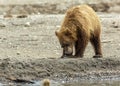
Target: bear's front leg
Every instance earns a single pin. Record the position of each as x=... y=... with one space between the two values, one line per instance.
x=80 y=47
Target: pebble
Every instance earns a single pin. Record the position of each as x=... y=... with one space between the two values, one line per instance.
x=27 y=24
x=2 y=24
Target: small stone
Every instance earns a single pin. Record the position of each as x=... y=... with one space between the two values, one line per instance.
x=22 y=16
x=27 y=24
x=18 y=53
x=7 y=16
x=2 y=24
x=115 y=26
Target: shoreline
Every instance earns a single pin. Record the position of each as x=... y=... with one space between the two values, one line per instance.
x=85 y=68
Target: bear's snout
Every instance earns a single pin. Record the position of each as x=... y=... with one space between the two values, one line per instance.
x=68 y=51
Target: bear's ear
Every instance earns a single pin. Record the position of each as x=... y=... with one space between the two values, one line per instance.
x=56 y=33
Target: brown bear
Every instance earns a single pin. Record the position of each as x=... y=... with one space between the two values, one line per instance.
x=80 y=25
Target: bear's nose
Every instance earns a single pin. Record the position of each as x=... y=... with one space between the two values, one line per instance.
x=68 y=51
x=62 y=46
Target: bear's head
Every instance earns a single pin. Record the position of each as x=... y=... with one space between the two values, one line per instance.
x=67 y=39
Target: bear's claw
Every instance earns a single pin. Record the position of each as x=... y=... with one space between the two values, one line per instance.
x=67 y=56
x=97 y=56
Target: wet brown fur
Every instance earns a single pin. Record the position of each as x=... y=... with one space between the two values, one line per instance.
x=81 y=24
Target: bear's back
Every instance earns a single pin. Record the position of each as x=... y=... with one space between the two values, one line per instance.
x=85 y=15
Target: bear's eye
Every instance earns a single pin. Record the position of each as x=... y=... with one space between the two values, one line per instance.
x=67 y=34
x=65 y=45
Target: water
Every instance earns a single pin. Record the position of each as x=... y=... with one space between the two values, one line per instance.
x=92 y=83
x=84 y=83
x=74 y=83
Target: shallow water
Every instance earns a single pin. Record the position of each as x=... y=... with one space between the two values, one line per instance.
x=96 y=83
x=74 y=83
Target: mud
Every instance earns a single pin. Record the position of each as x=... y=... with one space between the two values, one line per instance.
x=64 y=69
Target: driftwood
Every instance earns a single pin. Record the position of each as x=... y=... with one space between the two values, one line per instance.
x=20 y=80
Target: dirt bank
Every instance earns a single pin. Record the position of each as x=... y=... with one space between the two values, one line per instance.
x=83 y=68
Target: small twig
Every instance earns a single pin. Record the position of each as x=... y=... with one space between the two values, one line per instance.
x=106 y=41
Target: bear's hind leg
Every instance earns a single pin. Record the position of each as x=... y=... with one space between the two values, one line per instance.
x=95 y=41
